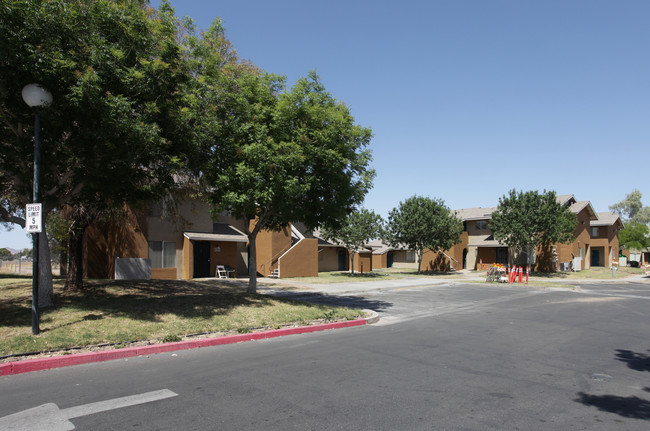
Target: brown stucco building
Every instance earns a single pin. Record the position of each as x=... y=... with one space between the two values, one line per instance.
x=185 y=243
x=595 y=242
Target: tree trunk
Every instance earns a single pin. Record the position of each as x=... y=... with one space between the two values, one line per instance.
x=352 y=262
x=252 y=263
x=74 y=276
x=419 y=255
x=45 y=290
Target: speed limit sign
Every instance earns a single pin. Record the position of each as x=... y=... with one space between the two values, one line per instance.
x=33 y=218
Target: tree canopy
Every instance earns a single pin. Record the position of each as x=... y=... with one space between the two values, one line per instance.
x=120 y=125
x=142 y=103
x=116 y=73
x=525 y=220
x=421 y=223
x=287 y=156
x=358 y=229
x=635 y=236
x=631 y=208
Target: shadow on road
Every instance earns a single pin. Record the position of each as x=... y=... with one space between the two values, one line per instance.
x=629 y=407
x=636 y=361
x=337 y=300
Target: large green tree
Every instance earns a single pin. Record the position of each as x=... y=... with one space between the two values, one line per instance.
x=635 y=236
x=358 y=229
x=421 y=223
x=120 y=125
x=286 y=156
x=525 y=220
x=631 y=208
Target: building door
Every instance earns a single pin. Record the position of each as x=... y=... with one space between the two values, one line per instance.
x=201 y=259
x=343 y=260
x=502 y=255
x=390 y=259
x=595 y=257
x=465 y=259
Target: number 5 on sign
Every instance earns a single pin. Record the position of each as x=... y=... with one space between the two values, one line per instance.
x=33 y=219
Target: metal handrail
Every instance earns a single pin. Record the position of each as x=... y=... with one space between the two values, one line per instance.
x=274 y=258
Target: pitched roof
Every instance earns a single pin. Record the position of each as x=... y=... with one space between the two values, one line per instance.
x=576 y=207
x=565 y=199
x=378 y=247
x=607 y=218
x=474 y=213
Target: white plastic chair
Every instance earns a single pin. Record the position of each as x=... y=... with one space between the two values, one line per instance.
x=221 y=271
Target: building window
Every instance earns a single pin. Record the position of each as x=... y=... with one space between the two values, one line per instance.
x=162 y=254
x=160 y=208
x=481 y=225
x=410 y=256
x=594 y=231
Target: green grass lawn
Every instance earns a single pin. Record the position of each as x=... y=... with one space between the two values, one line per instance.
x=110 y=311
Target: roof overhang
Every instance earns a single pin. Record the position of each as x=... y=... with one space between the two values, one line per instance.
x=227 y=234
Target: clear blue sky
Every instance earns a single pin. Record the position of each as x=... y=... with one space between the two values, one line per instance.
x=468 y=99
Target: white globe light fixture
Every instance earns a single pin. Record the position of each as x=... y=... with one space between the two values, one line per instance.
x=36 y=97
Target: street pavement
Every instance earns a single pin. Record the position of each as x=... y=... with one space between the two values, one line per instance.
x=446 y=355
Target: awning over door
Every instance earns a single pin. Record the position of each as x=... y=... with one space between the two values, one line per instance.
x=222 y=232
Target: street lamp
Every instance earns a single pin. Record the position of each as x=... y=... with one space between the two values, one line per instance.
x=36 y=97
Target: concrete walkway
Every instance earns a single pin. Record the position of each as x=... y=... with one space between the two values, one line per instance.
x=277 y=286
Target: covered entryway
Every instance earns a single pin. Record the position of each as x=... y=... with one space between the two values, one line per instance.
x=390 y=259
x=343 y=260
x=597 y=256
x=201 y=259
x=203 y=251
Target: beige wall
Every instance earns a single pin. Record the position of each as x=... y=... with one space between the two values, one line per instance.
x=187 y=259
x=328 y=259
x=269 y=247
x=380 y=260
x=301 y=260
x=437 y=262
x=364 y=259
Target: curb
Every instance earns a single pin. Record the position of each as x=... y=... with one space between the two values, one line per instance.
x=40 y=364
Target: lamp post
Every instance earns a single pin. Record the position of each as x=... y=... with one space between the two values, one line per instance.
x=36 y=97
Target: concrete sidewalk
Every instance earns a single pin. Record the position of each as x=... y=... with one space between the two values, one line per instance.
x=265 y=285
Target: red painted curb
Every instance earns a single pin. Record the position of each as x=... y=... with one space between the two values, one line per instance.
x=40 y=364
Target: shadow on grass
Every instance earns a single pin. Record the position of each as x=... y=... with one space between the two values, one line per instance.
x=357 y=275
x=11 y=275
x=421 y=273
x=549 y=274
x=138 y=300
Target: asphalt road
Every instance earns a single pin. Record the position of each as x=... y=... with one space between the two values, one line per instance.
x=442 y=357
